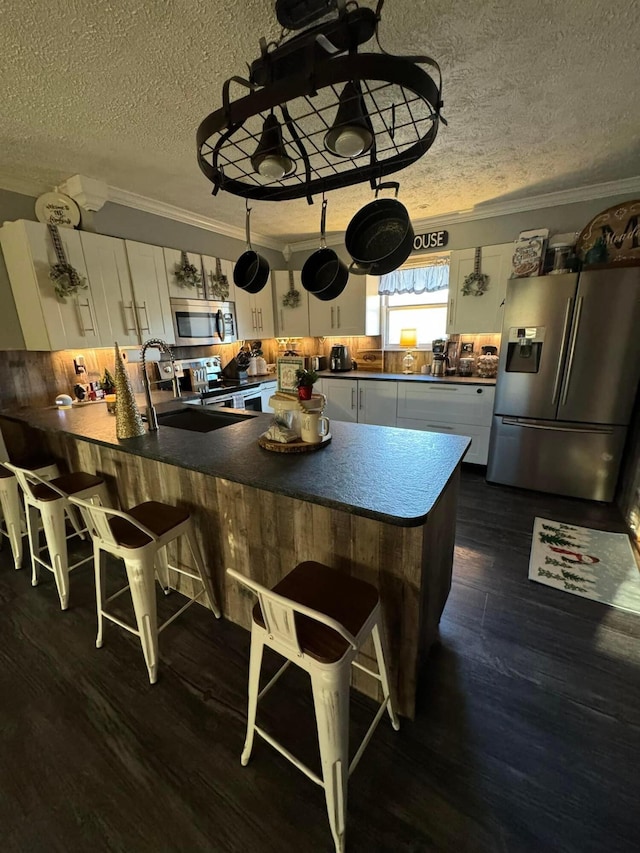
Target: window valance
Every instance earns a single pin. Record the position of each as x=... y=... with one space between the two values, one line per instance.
x=427 y=278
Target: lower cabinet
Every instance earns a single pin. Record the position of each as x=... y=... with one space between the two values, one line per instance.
x=267 y=390
x=365 y=401
x=455 y=408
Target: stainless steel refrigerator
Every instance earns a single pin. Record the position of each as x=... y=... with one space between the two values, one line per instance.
x=567 y=380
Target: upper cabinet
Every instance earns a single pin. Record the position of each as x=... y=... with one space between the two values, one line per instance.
x=214 y=269
x=254 y=313
x=355 y=312
x=108 y=273
x=49 y=322
x=472 y=314
x=151 y=291
x=290 y=322
x=173 y=260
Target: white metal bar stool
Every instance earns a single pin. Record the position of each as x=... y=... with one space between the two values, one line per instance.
x=139 y=537
x=318 y=619
x=12 y=510
x=50 y=500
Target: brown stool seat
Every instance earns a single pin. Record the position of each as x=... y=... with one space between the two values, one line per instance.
x=158 y=517
x=343 y=598
x=70 y=484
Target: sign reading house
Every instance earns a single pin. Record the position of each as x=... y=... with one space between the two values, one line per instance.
x=430 y=240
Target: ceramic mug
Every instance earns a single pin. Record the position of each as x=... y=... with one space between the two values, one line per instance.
x=313 y=427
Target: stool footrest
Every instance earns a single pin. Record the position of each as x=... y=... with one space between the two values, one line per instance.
x=370 y=672
x=368 y=736
x=270 y=684
x=119 y=622
x=182 y=609
x=48 y=566
x=185 y=572
x=116 y=594
x=288 y=755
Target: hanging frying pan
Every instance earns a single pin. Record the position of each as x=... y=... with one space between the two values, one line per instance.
x=379 y=238
x=323 y=273
x=251 y=271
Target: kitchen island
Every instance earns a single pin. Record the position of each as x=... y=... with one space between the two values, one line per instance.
x=376 y=502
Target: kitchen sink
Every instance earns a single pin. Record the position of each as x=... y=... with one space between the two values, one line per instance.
x=195 y=420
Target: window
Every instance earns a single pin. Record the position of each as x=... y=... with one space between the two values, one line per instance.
x=426 y=312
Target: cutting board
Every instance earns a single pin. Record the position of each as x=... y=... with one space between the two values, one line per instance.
x=370 y=359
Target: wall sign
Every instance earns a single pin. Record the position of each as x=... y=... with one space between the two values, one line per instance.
x=430 y=240
x=619 y=228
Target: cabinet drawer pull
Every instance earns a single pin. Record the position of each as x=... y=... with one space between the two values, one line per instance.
x=440 y=426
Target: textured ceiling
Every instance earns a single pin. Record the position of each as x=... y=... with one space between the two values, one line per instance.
x=539 y=97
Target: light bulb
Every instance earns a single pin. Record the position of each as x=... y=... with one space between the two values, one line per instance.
x=274 y=166
x=352 y=141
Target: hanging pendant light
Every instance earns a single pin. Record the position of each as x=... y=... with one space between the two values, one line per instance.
x=350 y=134
x=270 y=158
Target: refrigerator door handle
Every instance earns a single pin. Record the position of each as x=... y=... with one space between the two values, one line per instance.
x=565 y=327
x=532 y=425
x=572 y=351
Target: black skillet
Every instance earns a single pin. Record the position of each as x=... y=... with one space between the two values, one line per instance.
x=323 y=273
x=380 y=236
x=251 y=271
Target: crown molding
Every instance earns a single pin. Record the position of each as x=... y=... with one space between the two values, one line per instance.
x=489 y=210
x=24 y=186
x=179 y=214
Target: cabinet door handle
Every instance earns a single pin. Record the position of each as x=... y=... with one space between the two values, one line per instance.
x=361 y=391
x=338 y=312
x=84 y=328
x=133 y=316
x=254 y=319
x=143 y=307
x=260 y=326
x=332 y=316
x=353 y=398
x=281 y=320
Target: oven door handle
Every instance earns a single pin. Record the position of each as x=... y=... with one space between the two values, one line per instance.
x=220 y=324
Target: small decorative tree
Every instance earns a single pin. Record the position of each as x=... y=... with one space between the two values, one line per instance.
x=304 y=381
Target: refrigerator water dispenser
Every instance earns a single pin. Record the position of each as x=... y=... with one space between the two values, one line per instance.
x=524 y=349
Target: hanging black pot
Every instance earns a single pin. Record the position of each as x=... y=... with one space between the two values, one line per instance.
x=379 y=238
x=323 y=273
x=251 y=271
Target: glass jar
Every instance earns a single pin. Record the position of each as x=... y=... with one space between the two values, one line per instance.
x=488 y=366
x=466 y=365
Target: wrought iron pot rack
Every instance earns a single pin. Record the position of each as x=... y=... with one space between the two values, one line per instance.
x=402 y=102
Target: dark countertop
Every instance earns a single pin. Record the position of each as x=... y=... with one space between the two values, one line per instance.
x=406 y=377
x=388 y=474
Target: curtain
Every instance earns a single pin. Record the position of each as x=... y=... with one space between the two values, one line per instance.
x=416 y=280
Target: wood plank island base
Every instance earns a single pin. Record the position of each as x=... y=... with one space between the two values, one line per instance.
x=378 y=503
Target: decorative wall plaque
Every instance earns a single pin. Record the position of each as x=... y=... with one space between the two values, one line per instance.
x=618 y=228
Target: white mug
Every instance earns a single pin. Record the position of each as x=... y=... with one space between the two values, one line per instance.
x=313 y=427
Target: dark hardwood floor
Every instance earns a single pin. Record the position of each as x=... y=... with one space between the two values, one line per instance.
x=527 y=738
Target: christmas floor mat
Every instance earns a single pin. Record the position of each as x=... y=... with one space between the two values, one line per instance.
x=585 y=562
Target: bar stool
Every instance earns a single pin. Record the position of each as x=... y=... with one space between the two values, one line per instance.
x=318 y=619
x=139 y=537
x=50 y=499
x=12 y=509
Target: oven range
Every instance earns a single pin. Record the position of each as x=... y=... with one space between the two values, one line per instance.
x=203 y=376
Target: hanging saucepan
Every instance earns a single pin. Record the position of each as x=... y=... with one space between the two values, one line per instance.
x=323 y=273
x=251 y=271
x=379 y=238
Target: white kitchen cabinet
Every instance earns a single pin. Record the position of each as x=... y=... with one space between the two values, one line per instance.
x=355 y=312
x=267 y=390
x=365 y=401
x=290 y=322
x=172 y=259
x=48 y=322
x=459 y=409
x=254 y=313
x=478 y=314
x=151 y=289
x=108 y=272
x=209 y=269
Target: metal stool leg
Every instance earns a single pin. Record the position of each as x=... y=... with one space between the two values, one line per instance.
x=33 y=534
x=99 y=565
x=255 y=664
x=13 y=517
x=199 y=563
x=141 y=574
x=331 y=702
x=53 y=513
x=162 y=569
x=377 y=634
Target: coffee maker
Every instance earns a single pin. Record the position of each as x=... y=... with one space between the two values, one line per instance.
x=439 y=359
x=340 y=358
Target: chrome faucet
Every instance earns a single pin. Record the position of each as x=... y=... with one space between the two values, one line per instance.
x=163 y=346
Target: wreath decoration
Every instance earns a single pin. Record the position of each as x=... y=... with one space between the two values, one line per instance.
x=476 y=283
x=219 y=283
x=67 y=281
x=291 y=298
x=186 y=274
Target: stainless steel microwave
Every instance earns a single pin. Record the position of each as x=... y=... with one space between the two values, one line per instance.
x=203 y=322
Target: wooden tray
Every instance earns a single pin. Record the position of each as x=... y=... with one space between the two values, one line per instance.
x=293 y=446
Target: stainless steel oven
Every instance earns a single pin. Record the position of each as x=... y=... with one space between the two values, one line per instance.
x=236 y=398
x=201 y=321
